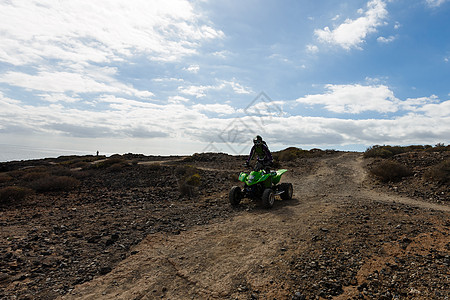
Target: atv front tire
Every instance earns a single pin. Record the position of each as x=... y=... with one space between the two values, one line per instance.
x=235 y=196
x=268 y=198
x=288 y=190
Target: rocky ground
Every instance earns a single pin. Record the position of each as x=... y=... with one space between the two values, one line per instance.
x=363 y=245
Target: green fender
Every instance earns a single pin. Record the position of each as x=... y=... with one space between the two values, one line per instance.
x=276 y=179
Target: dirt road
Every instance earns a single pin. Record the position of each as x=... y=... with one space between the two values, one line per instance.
x=247 y=256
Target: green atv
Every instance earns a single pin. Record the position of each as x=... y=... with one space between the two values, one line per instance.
x=262 y=185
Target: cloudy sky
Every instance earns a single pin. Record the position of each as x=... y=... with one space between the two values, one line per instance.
x=178 y=77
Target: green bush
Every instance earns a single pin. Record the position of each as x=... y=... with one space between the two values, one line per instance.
x=14 y=194
x=53 y=183
x=440 y=172
x=388 y=170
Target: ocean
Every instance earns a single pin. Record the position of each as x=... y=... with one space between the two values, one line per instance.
x=14 y=152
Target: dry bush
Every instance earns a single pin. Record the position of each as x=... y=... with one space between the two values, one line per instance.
x=440 y=172
x=54 y=183
x=186 y=190
x=185 y=170
x=234 y=177
x=189 y=180
x=108 y=163
x=5 y=177
x=59 y=171
x=118 y=166
x=387 y=151
x=154 y=166
x=286 y=156
x=291 y=153
x=194 y=180
x=388 y=170
x=12 y=194
x=80 y=164
x=82 y=174
x=32 y=176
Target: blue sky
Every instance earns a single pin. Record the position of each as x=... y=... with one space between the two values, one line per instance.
x=178 y=77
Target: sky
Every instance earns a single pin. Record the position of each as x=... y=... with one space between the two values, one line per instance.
x=180 y=77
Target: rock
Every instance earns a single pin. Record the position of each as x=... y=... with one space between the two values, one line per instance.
x=298 y=296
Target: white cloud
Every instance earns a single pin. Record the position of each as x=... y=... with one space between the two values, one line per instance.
x=238 y=88
x=200 y=91
x=312 y=48
x=178 y=99
x=220 y=109
x=59 y=97
x=437 y=110
x=61 y=82
x=435 y=3
x=222 y=54
x=100 y=31
x=354 y=99
x=192 y=68
x=427 y=122
x=352 y=33
x=385 y=40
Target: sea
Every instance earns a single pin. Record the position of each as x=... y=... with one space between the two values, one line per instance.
x=17 y=153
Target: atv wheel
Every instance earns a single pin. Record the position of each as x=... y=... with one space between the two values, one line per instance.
x=268 y=198
x=235 y=195
x=288 y=190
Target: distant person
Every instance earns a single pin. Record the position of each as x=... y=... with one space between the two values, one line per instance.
x=263 y=155
x=97 y=153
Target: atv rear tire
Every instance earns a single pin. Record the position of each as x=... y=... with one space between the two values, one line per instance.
x=268 y=198
x=288 y=190
x=235 y=195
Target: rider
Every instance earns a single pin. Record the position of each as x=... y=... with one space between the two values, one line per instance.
x=262 y=152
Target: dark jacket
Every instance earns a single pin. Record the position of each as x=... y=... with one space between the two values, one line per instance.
x=262 y=152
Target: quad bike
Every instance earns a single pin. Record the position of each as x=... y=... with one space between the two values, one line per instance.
x=261 y=184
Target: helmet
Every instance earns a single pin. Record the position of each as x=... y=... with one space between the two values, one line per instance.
x=257 y=140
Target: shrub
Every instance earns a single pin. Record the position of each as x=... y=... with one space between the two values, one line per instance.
x=154 y=166
x=14 y=194
x=54 y=183
x=4 y=177
x=378 y=151
x=388 y=170
x=185 y=170
x=186 y=190
x=109 y=162
x=194 y=180
x=189 y=179
x=32 y=176
x=292 y=153
x=117 y=167
x=440 y=172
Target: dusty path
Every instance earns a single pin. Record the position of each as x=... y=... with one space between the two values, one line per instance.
x=219 y=261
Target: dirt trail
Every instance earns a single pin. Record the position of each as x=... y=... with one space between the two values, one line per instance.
x=219 y=261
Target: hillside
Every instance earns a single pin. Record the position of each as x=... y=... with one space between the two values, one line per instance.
x=135 y=226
